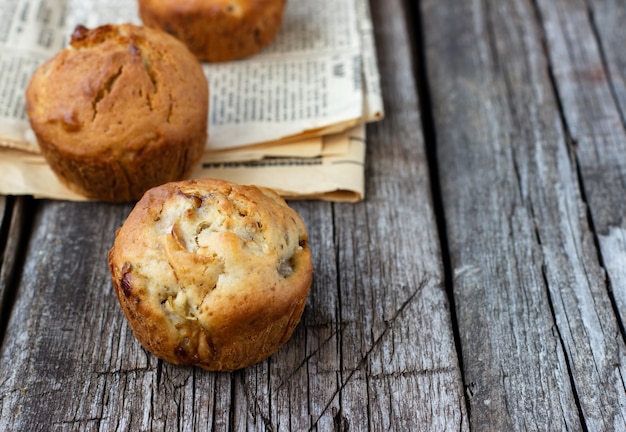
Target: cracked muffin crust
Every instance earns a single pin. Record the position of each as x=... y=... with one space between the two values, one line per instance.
x=217 y=30
x=125 y=108
x=211 y=273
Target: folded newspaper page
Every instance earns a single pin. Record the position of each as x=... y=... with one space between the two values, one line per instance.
x=318 y=78
x=335 y=173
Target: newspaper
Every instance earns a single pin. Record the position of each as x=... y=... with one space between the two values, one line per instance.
x=316 y=84
x=335 y=174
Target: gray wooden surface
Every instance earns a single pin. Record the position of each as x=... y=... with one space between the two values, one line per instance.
x=480 y=286
x=532 y=158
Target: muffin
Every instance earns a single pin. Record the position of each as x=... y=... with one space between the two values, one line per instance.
x=123 y=109
x=217 y=30
x=211 y=273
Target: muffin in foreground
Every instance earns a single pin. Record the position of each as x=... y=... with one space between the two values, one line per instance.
x=217 y=30
x=124 y=109
x=211 y=273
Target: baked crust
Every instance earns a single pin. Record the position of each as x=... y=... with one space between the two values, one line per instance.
x=211 y=273
x=217 y=30
x=125 y=108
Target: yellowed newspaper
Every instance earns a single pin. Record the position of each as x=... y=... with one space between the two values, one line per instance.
x=335 y=173
x=315 y=84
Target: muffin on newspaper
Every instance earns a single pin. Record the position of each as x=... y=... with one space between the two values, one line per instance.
x=217 y=30
x=123 y=109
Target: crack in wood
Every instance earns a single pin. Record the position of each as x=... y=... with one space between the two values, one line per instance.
x=16 y=220
x=120 y=372
x=307 y=358
x=451 y=370
x=362 y=363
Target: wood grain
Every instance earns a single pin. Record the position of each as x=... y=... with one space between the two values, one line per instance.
x=588 y=61
x=5 y=222
x=582 y=41
x=5 y=262
x=13 y=229
x=541 y=345
x=375 y=349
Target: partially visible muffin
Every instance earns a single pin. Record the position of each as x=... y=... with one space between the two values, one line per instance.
x=125 y=108
x=217 y=30
x=211 y=273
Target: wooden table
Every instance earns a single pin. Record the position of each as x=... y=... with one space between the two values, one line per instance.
x=480 y=286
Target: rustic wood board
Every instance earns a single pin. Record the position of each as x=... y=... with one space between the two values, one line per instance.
x=541 y=345
x=5 y=258
x=586 y=46
x=587 y=61
x=375 y=349
x=13 y=222
x=5 y=222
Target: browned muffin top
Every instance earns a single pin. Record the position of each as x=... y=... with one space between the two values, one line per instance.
x=123 y=109
x=117 y=90
x=212 y=273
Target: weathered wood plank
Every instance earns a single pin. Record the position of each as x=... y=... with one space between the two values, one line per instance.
x=590 y=87
x=5 y=222
x=530 y=294
x=590 y=75
x=13 y=219
x=395 y=289
x=375 y=348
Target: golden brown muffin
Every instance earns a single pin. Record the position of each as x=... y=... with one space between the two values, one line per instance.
x=217 y=30
x=211 y=273
x=125 y=108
